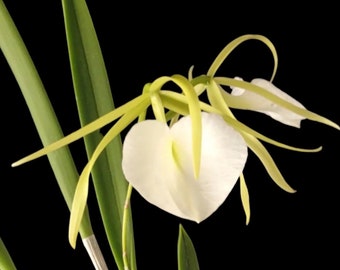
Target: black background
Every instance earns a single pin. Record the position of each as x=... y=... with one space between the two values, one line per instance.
x=141 y=42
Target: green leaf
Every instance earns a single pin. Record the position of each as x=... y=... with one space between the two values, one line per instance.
x=94 y=99
x=41 y=110
x=6 y=262
x=186 y=254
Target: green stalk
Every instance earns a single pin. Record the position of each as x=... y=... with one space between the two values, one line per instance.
x=41 y=110
x=94 y=99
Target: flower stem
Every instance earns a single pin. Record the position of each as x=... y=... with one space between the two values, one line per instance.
x=125 y=227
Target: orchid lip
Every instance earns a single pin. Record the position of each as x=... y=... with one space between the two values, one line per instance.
x=157 y=161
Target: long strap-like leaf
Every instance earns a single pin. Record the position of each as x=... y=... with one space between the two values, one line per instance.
x=40 y=108
x=94 y=99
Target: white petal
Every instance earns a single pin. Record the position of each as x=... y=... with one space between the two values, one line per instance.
x=252 y=101
x=146 y=155
x=157 y=161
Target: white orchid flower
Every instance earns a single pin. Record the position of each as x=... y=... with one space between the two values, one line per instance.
x=189 y=168
x=157 y=161
x=247 y=100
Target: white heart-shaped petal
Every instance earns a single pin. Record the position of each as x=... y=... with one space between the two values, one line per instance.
x=158 y=162
x=252 y=101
